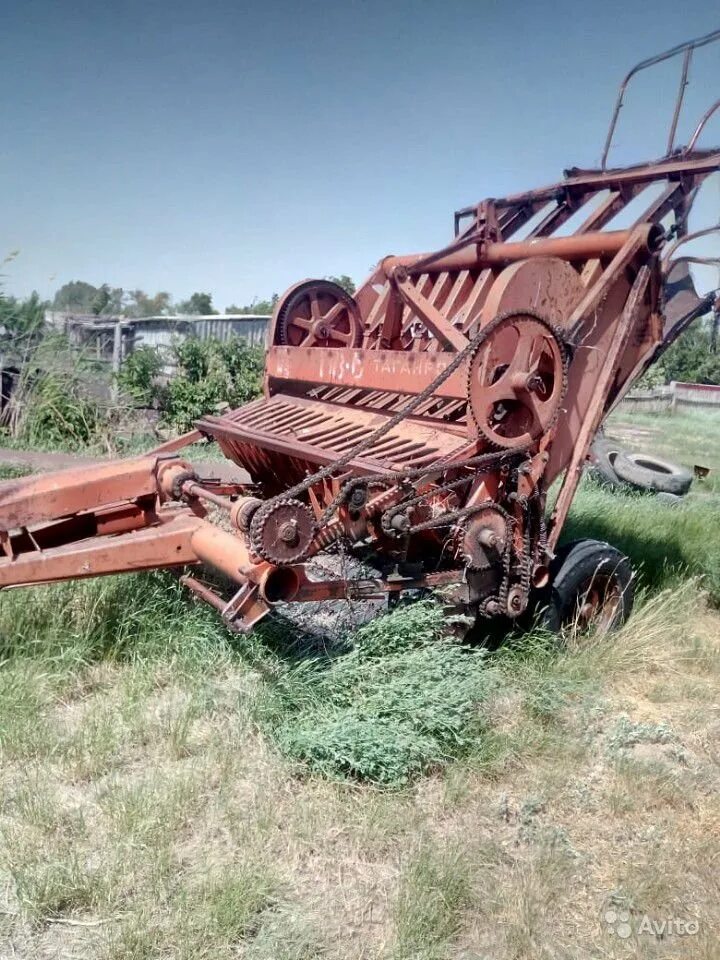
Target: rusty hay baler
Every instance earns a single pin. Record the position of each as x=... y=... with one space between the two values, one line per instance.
x=417 y=424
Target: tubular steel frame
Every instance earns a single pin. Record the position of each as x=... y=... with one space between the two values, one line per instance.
x=481 y=374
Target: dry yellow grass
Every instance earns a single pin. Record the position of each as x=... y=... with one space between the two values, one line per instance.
x=154 y=820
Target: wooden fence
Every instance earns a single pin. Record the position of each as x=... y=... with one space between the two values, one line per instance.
x=676 y=396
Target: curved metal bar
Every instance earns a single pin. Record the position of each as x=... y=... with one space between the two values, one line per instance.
x=670 y=250
x=700 y=127
x=703 y=261
x=687 y=48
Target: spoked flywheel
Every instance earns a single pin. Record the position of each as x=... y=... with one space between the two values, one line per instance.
x=318 y=313
x=517 y=379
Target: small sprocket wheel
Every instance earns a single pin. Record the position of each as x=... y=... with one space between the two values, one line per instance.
x=318 y=313
x=484 y=539
x=282 y=531
x=517 y=379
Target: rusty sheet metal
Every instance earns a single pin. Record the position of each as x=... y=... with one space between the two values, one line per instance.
x=320 y=432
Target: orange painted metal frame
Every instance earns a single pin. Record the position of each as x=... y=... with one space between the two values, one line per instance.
x=394 y=411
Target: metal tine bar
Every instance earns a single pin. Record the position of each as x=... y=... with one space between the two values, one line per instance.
x=394 y=442
x=386 y=400
x=476 y=299
x=700 y=127
x=605 y=211
x=369 y=396
x=332 y=432
x=289 y=414
x=456 y=295
x=662 y=204
x=347 y=395
x=553 y=219
x=287 y=424
x=335 y=430
x=343 y=436
x=348 y=441
x=680 y=97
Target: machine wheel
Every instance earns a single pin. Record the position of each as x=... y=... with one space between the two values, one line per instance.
x=318 y=313
x=651 y=473
x=591 y=585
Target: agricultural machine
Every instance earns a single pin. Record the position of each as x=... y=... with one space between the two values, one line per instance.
x=419 y=424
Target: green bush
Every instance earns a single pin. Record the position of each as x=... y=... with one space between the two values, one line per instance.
x=51 y=405
x=211 y=374
x=138 y=377
x=59 y=414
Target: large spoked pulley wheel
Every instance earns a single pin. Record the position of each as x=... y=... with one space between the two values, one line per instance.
x=318 y=313
x=516 y=380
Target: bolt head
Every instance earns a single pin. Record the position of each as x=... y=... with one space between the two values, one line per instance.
x=289 y=532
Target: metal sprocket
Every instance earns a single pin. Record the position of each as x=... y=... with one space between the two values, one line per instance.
x=517 y=379
x=485 y=538
x=282 y=531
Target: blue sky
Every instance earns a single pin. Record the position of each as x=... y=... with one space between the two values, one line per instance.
x=239 y=146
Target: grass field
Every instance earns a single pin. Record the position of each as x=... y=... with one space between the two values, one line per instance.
x=170 y=791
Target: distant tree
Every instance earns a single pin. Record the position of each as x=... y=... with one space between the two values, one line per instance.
x=263 y=307
x=346 y=282
x=198 y=303
x=139 y=304
x=101 y=300
x=77 y=296
x=692 y=358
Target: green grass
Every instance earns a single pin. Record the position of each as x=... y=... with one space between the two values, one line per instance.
x=13 y=471
x=664 y=544
x=168 y=790
x=402 y=699
x=131 y=618
x=435 y=889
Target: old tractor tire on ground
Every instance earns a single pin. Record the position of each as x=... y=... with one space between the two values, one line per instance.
x=591 y=586
x=602 y=461
x=646 y=472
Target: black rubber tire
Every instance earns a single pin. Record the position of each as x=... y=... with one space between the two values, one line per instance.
x=646 y=472
x=579 y=568
x=602 y=461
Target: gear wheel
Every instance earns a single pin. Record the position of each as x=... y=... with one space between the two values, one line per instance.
x=318 y=313
x=517 y=379
x=485 y=538
x=282 y=531
x=395 y=523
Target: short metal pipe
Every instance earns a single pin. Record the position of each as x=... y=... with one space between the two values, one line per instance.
x=230 y=556
x=225 y=553
x=193 y=489
x=203 y=592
